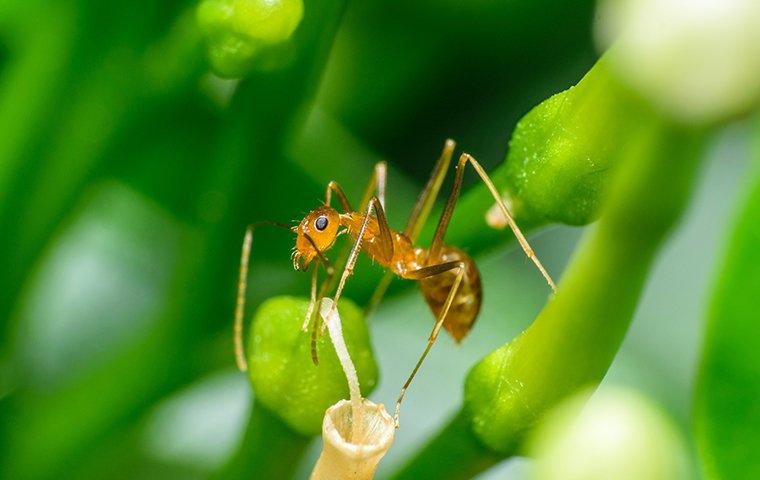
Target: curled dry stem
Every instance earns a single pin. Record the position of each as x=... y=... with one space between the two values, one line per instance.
x=351 y=448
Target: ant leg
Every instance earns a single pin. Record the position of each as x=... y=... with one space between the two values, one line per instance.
x=418 y=275
x=315 y=327
x=448 y=211
x=385 y=241
x=427 y=197
x=243 y=284
x=334 y=187
x=376 y=185
x=240 y=305
x=418 y=217
x=312 y=300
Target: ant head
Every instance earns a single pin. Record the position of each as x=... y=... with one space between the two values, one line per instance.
x=321 y=226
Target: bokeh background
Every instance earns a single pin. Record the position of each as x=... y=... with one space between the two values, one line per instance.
x=128 y=173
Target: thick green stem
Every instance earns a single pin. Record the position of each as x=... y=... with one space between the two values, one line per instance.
x=574 y=339
x=270 y=448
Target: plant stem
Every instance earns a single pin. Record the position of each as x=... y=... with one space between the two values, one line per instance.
x=573 y=341
x=454 y=453
x=269 y=448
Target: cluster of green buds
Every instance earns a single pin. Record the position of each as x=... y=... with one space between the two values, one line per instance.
x=246 y=34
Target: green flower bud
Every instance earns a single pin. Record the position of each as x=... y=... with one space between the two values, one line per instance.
x=563 y=152
x=695 y=62
x=242 y=33
x=281 y=370
x=616 y=434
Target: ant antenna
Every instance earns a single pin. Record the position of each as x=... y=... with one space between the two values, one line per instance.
x=240 y=358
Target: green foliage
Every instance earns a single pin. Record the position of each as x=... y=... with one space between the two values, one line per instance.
x=284 y=378
x=101 y=110
x=727 y=417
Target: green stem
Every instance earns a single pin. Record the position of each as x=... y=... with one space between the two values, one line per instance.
x=269 y=448
x=574 y=339
x=455 y=453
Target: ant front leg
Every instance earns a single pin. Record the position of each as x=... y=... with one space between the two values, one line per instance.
x=334 y=187
x=420 y=274
x=385 y=241
x=312 y=300
x=315 y=328
x=375 y=186
x=245 y=256
x=448 y=211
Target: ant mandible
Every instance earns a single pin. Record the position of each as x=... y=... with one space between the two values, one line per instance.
x=448 y=277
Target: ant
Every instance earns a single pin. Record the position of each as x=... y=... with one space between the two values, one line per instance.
x=448 y=277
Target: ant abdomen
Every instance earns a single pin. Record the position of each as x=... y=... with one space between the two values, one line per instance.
x=466 y=303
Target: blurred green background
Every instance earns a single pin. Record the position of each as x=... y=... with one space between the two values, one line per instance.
x=128 y=173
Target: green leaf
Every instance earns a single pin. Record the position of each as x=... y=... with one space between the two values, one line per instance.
x=727 y=412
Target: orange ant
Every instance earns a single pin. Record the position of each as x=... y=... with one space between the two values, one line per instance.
x=448 y=277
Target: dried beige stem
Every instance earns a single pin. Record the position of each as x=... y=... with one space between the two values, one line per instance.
x=356 y=433
x=336 y=335
x=346 y=460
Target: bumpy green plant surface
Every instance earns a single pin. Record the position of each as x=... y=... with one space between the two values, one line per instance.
x=242 y=33
x=564 y=151
x=511 y=387
x=282 y=373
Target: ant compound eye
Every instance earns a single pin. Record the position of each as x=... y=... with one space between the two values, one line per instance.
x=321 y=223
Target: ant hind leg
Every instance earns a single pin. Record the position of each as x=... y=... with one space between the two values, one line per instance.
x=448 y=211
x=427 y=272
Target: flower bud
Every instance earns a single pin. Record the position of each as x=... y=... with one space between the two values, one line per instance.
x=285 y=379
x=240 y=33
x=616 y=434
